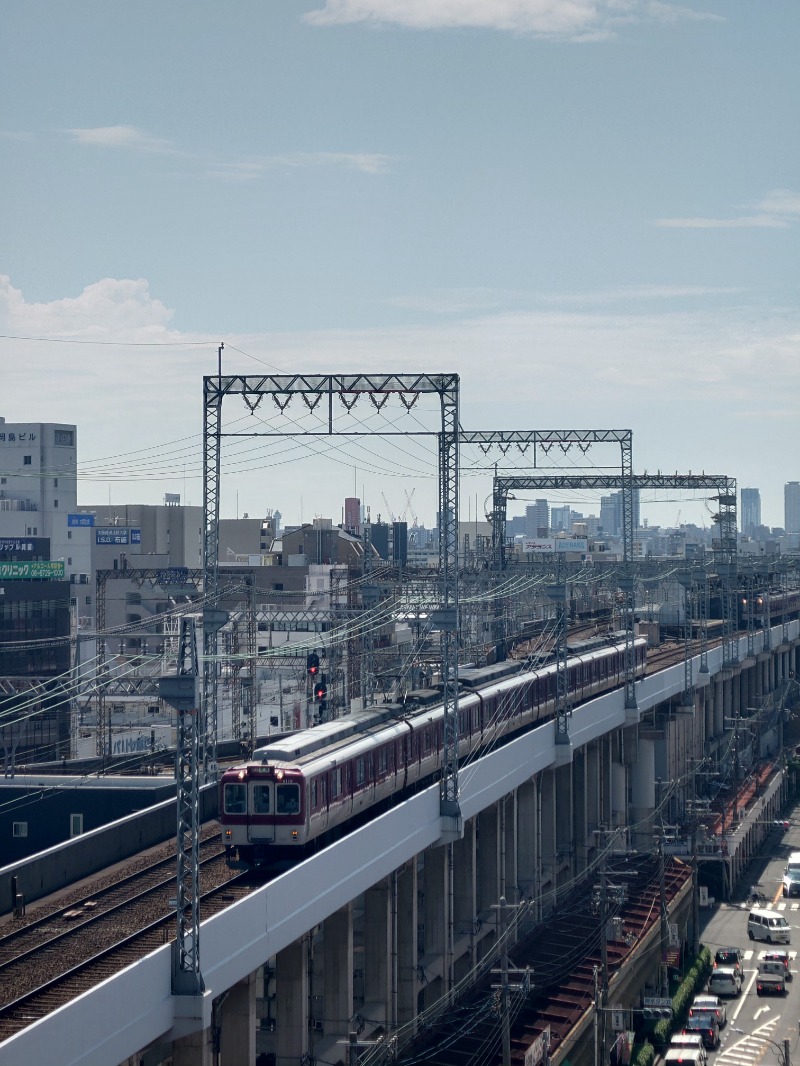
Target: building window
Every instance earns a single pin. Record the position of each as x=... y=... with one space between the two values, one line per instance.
x=19 y=829
x=55 y=503
x=3 y=480
x=55 y=482
x=64 y=437
x=69 y=560
x=27 y=460
x=88 y=601
x=69 y=534
x=75 y=825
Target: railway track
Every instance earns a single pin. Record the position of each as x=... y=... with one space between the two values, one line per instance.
x=75 y=976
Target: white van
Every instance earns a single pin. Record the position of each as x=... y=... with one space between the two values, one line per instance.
x=689 y=1042
x=692 y=1055
x=764 y=924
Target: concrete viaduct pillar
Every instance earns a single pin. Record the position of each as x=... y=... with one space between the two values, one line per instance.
x=337 y=970
x=407 y=943
x=291 y=1027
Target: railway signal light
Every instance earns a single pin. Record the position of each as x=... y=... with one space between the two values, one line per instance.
x=320 y=688
x=312 y=664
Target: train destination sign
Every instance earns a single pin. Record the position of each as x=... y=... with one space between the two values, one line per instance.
x=49 y=571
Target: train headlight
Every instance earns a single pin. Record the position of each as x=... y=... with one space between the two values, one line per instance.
x=241 y=775
x=294 y=834
x=279 y=774
x=228 y=834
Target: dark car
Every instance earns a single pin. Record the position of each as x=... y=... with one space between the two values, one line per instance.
x=730 y=957
x=706 y=1026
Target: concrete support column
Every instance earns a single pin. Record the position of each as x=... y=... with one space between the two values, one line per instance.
x=547 y=831
x=337 y=972
x=511 y=886
x=377 y=951
x=196 y=1049
x=237 y=1042
x=465 y=900
x=437 y=920
x=291 y=1012
x=488 y=862
x=527 y=839
x=580 y=808
x=407 y=956
x=718 y=685
x=565 y=839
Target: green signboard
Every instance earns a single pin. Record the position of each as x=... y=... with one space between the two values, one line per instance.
x=42 y=570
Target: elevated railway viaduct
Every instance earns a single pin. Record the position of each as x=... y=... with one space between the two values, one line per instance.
x=386 y=923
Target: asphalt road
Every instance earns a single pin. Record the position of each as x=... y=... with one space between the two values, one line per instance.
x=765 y=1021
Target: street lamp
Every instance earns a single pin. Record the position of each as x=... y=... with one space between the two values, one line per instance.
x=782 y=1048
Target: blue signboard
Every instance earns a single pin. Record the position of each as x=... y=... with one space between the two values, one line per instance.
x=75 y=520
x=136 y=536
x=16 y=544
x=111 y=535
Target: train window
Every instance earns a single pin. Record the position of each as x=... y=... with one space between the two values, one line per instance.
x=360 y=772
x=336 y=783
x=19 y=829
x=383 y=761
x=287 y=799
x=235 y=799
x=261 y=799
x=428 y=739
x=370 y=774
x=314 y=796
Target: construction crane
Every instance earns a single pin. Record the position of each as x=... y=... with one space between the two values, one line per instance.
x=388 y=508
x=409 y=507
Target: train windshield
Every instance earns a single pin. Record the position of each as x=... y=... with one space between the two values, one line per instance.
x=287 y=799
x=261 y=799
x=235 y=799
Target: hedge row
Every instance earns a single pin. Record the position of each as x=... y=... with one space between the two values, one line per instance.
x=692 y=983
x=643 y=1055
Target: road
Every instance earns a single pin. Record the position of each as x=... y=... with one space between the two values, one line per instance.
x=765 y=1021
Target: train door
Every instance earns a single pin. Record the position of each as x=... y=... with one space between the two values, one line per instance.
x=261 y=823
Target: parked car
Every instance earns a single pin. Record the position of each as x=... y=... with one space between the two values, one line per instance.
x=712 y=1004
x=725 y=981
x=732 y=957
x=706 y=1026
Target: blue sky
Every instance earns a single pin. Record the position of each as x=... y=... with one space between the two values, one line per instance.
x=589 y=209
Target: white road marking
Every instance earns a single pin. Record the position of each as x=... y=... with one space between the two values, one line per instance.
x=749 y=954
x=761 y=1010
x=745 y=993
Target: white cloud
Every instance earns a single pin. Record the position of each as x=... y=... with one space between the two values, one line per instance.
x=106 y=310
x=250 y=170
x=558 y=19
x=121 y=137
x=776 y=211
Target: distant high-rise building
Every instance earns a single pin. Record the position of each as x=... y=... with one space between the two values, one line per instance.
x=609 y=515
x=561 y=518
x=751 y=510
x=537 y=519
x=791 y=506
x=352 y=515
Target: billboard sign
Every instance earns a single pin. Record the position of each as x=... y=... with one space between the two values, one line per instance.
x=111 y=535
x=76 y=521
x=559 y=544
x=136 y=536
x=16 y=544
x=42 y=571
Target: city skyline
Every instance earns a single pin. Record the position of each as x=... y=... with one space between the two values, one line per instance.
x=589 y=212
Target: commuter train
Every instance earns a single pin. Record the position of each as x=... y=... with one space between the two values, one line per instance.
x=780 y=603
x=302 y=791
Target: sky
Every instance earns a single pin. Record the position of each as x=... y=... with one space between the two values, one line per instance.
x=587 y=209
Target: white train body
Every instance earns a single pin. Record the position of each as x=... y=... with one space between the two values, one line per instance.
x=305 y=789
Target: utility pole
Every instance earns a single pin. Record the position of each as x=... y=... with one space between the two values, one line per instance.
x=522 y=980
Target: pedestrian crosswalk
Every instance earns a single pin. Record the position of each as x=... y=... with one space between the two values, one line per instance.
x=784 y=906
x=747 y=1049
x=751 y=953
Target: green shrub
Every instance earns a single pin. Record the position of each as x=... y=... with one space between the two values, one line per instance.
x=643 y=1054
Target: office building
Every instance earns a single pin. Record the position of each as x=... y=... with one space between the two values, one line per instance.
x=751 y=511
x=791 y=506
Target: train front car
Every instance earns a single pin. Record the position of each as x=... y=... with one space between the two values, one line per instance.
x=263 y=814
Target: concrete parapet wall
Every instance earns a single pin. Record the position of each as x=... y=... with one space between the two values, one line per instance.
x=59 y=866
